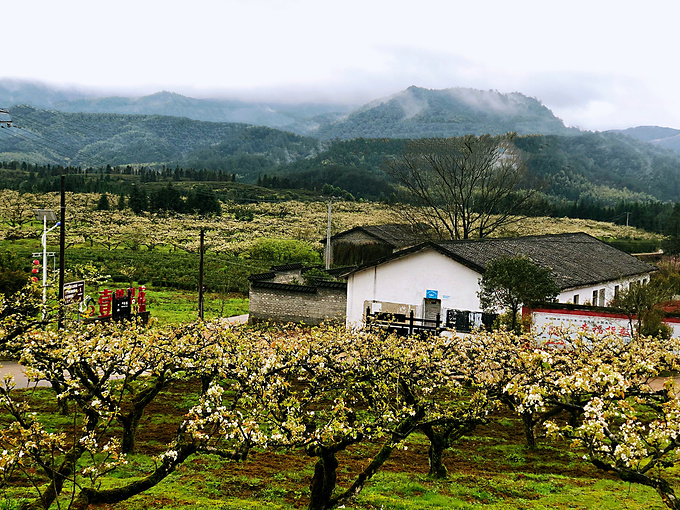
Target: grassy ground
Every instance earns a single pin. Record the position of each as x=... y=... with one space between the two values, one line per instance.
x=169 y=306
x=489 y=469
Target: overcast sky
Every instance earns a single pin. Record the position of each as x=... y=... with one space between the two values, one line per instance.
x=597 y=64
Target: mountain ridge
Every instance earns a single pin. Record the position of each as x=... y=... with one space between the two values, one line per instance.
x=413 y=112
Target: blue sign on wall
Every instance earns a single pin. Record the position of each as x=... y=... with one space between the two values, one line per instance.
x=431 y=294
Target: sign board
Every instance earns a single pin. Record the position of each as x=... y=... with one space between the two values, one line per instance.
x=550 y=325
x=431 y=294
x=122 y=305
x=74 y=292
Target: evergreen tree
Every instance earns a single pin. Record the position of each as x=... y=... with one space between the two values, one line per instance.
x=510 y=282
x=671 y=245
x=204 y=201
x=138 y=200
x=167 y=198
x=103 y=204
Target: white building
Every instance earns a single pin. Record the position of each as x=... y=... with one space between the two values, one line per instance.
x=432 y=278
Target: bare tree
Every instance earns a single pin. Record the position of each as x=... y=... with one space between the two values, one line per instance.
x=462 y=187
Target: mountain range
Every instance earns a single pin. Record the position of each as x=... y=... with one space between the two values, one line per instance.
x=311 y=144
x=667 y=138
x=414 y=112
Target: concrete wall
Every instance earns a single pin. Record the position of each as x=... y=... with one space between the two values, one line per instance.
x=278 y=302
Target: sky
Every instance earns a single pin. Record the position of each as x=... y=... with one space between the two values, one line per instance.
x=597 y=64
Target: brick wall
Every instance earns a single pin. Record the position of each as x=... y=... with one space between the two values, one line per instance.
x=279 y=302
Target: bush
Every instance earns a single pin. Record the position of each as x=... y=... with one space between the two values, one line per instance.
x=635 y=245
x=283 y=251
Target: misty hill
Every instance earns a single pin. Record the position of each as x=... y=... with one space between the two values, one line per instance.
x=14 y=92
x=274 y=115
x=300 y=117
x=420 y=113
x=412 y=113
x=87 y=139
x=667 y=138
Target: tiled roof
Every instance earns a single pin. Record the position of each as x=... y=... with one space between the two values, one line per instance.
x=575 y=259
x=397 y=235
x=287 y=267
x=262 y=276
x=303 y=289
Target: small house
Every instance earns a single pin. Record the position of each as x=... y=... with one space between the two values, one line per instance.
x=369 y=242
x=438 y=279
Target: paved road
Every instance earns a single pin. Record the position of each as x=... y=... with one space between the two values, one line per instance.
x=20 y=379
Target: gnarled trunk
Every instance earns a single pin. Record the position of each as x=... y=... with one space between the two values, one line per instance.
x=323 y=481
x=528 y=420
x=435 y=453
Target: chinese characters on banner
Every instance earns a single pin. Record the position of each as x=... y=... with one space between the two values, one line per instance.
x=551 y=325
x=122 y=302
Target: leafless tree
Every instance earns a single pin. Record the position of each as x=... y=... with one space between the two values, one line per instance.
x=462 y=187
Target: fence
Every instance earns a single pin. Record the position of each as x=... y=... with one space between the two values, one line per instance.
x=463 y=321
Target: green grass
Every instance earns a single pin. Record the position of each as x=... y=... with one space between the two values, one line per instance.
x=169 y=306
x=490 y=471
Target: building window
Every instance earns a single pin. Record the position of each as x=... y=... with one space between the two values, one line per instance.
x=594 y=301
x=576 y=299
x=601 y=303
x=616 y=291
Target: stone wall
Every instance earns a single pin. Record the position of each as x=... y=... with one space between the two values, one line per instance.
x=280 y=302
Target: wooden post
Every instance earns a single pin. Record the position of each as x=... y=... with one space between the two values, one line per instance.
x=410 y=323
x=436 y=324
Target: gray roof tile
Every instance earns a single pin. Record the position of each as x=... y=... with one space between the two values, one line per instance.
x=575 y=259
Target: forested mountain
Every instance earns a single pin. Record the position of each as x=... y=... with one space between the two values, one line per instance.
x=15 y=92
x=345 y=154
x=412 y=113
x=419 y=113
x=603 y=167
x=607 y=166
x=296 y=117
x=667 y=138
x=80 y=139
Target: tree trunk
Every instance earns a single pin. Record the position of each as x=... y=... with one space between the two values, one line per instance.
x=130 y=424
x=61 y=474
x=435 y=453
x=323 y=481
x=61 y=402
x=662 y=487
x=528 y=420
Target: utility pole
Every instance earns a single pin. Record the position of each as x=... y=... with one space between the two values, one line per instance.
x=45 y=215
x=62 y=251
x=329 y=250
x=200 y=277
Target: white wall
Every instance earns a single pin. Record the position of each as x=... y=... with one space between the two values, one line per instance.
x=405 y=280
x=585 y=294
